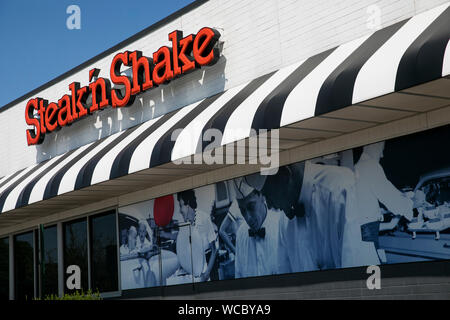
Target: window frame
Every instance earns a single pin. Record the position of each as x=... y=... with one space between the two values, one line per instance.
x=59 y=224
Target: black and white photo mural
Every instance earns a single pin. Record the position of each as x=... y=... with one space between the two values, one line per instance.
x=384 y=203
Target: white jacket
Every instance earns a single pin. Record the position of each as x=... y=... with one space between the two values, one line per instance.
x=371 y=186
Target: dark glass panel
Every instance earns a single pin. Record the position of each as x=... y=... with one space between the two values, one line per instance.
x=75 y=250
x=50 y=276
x=104 y=252
x=4 y=268
x=24 y=266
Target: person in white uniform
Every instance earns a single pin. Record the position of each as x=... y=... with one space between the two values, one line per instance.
x=257 y=238
x=372 y=186
x=315 y=200
x=202 y=227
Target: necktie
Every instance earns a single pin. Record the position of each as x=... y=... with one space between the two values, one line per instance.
x=261 y=233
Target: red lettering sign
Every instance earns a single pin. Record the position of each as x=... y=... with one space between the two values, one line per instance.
x=167 y=63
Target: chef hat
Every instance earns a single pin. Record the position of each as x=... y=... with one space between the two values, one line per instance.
x=243 y=186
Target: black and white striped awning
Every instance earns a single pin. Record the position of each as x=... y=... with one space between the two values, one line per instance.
x=403 y=55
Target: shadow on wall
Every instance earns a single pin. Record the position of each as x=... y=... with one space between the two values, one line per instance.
x=179 y=93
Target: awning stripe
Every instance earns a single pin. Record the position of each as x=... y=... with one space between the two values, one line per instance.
x=378 y=75
x=37 y=193
x=423 y=60
x=189 y=140
x=301 y=102
x=85 y=174
x=24 y=196
x=141 y=156
x=5 y=196
x=162 y=152
x=411 y=52
x=69 y=178
x=7 y=179
x=446 y=64
x=121 y=163
x=16 y=179
x=239 y=122
x=337 y=90
x=104 y=166
x=51 y=190
x=220 y=119
x=268 y=115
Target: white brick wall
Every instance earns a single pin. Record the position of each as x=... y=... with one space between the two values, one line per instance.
x=260 y=36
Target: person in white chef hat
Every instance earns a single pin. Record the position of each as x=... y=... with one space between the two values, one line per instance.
x=257 y=239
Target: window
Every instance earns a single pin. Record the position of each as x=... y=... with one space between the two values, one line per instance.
x=104 y=252
x=75 y=250
x=88 y=243
x=24 y=266
x=50 y=272
x=4 y=268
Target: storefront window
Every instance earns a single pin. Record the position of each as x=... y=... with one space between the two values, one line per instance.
x=104 y=252
x=24 y=266
x=75 y=251
x=50 y=274
x=4 y=269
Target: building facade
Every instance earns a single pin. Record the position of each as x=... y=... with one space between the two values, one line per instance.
x=269 y=149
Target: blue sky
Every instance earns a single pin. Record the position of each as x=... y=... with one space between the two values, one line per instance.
x=36 y=46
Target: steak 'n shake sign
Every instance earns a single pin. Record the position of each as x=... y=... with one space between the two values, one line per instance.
x=167 y=63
